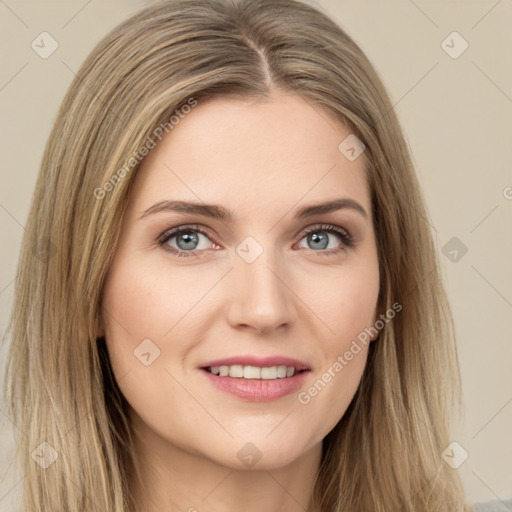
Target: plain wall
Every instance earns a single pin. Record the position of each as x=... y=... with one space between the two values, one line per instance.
x=456 y=114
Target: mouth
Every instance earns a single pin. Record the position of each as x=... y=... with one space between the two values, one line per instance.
x=257 y=379
x=238 y=371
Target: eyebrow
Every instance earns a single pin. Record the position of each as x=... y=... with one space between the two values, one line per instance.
x=219 y=212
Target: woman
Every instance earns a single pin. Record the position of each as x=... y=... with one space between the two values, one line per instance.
x=228 y=295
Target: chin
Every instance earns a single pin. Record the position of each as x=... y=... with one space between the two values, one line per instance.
x=260 y=454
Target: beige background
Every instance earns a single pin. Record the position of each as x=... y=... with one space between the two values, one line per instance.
x=457 y=116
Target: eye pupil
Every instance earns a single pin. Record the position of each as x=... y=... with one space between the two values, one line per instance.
x=323 y=239
x=189 y=237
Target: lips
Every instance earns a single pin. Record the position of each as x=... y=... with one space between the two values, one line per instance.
x=257 y=379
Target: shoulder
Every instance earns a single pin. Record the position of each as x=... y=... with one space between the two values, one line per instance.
x=492 y=506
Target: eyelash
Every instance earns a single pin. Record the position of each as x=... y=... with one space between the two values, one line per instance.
x=347 y=239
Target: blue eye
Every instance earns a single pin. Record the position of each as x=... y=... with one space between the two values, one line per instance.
x=188 y=240
x=318 y=236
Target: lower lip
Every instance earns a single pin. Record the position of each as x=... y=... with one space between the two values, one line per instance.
x=258 y=390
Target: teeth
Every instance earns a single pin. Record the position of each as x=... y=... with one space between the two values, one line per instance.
x=269 y=373
x=237 y=370
x=253 y=372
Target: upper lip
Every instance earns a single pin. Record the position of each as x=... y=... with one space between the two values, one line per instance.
x=262 y=362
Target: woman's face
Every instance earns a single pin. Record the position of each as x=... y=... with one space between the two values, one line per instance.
x=250 y=283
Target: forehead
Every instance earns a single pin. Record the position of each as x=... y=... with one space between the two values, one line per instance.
x=245 y=154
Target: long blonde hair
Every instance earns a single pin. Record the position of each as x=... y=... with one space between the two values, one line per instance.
x=385 y=453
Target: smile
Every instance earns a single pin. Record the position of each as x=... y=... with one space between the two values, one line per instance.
x=239 y=371
x=256 y=379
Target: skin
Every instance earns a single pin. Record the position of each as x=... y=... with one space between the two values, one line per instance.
x=263 y=160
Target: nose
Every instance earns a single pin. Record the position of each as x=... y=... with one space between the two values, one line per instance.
x=260 y=299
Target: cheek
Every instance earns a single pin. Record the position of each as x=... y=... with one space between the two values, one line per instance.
x=345 y=302
x=347 y=306
x=139 y=307
x=149 y=332
x=147 y=301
